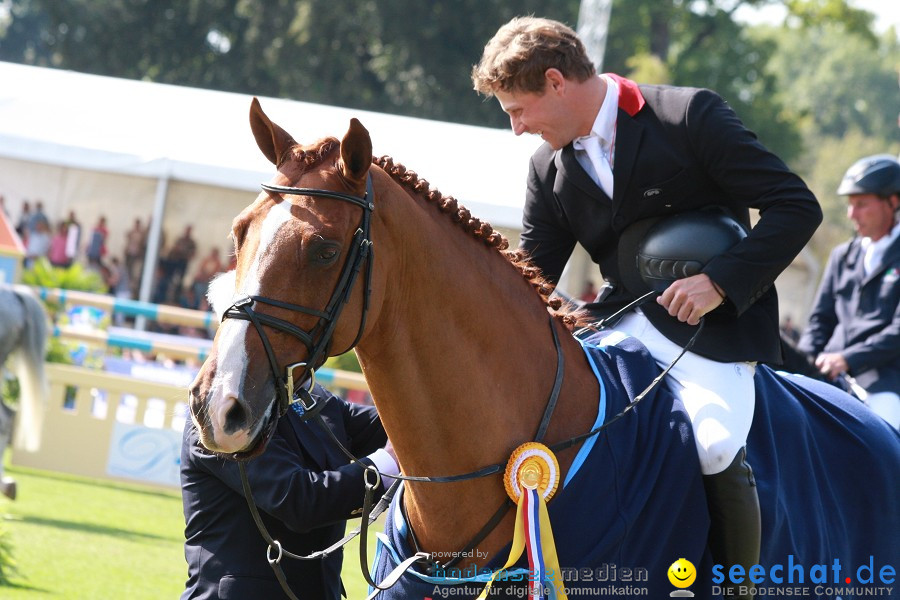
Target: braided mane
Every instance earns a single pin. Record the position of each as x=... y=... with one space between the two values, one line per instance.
x=459 y=214
x=479 y=229
x=310 y=156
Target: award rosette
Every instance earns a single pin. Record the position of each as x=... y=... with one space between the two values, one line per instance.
x=531 y=479
x=532 y=466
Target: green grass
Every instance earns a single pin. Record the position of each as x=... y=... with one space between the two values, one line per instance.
x=75 y=538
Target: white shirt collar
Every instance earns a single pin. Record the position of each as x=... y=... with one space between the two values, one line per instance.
x=605 y=124
x=604 y=127
x=885 y=241
x=875 y=250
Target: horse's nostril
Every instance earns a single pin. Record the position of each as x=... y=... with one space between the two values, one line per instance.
x=235 y=417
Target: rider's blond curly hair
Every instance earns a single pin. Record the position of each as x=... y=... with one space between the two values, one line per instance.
x=521 y=51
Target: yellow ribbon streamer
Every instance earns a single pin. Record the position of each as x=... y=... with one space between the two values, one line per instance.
x=518 y=546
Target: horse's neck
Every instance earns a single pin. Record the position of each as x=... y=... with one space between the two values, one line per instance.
x=461 y=339
x=461 y=364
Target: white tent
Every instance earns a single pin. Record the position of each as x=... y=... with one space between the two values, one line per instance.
x=131 y=149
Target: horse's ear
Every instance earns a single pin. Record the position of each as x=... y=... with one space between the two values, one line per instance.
x=271 y=139
x=356 y=152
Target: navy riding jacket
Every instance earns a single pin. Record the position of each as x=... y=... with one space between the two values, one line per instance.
x=858 y=316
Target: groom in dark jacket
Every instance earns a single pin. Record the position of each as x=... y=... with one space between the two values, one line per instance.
x=305 y=491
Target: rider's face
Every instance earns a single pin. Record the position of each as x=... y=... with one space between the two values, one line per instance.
x=545 y=113
x=872 y=216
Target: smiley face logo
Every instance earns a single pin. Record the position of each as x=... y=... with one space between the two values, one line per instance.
x=682 y=573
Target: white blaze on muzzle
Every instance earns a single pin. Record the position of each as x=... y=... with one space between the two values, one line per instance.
x=232 y=362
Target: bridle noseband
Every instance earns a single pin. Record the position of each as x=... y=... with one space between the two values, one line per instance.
x=318 y=339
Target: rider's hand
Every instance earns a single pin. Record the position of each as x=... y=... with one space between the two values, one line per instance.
x=690 y=298
x=831 y=364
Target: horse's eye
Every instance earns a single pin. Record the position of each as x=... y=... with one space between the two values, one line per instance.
x=326 y=253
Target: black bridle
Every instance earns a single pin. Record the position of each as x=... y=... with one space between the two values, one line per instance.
x=318 y=339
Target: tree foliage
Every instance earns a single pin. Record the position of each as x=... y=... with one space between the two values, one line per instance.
x=406 y=57
x=838 y=86
x=833 y=81
x=813 y=14
x=702 y=45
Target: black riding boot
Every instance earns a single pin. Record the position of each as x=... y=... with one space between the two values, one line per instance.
x=734 y=535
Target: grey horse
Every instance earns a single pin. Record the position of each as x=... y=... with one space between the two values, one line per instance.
x=23 y=334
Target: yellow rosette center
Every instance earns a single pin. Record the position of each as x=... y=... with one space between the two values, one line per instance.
x=532 y=466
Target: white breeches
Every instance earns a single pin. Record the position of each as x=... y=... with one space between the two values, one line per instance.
x=887 y=406
x=719 y=397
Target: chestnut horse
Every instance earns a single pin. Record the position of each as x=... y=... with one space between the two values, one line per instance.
x=424 y=355
x=456 y=348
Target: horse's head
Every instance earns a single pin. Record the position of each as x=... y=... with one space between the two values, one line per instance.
x=302 y=253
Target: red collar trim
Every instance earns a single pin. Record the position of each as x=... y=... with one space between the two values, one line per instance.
x=630 y=98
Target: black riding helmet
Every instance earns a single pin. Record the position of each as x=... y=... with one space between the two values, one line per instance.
x=655 y=252
x=878 y=174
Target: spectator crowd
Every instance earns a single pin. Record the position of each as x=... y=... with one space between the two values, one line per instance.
x=68 y=241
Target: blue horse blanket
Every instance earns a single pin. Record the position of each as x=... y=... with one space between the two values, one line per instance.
x=633 y=502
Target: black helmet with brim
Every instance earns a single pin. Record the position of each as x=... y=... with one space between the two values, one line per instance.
x=878 y=174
